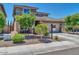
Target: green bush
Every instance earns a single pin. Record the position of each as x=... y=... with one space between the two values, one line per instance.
x=18 y=38
x=2 y=21
x=42 y=29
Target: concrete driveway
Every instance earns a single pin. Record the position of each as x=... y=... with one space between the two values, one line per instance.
x=69 y=37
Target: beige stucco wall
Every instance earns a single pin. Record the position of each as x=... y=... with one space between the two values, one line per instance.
x=16 y=26
x=56 y=24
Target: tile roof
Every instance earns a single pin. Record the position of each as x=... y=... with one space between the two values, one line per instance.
x=22 y=6
x=48 y=19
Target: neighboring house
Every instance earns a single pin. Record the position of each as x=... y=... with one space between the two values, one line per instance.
x=41 y=17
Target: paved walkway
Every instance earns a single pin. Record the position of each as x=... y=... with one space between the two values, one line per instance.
x=69 y=37
x=37 y=48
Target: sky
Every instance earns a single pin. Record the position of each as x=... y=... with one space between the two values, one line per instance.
x=55 y=10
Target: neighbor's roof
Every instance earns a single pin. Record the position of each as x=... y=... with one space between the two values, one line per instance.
x=3 y=9
x=49 y=20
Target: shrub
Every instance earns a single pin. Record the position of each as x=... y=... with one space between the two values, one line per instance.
x=56 y=38
x=18 y=38
x=41 y=29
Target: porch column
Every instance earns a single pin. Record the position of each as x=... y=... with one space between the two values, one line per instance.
x=60 y=27
x=51 y=31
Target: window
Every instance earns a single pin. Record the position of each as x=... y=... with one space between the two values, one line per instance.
x=26 y=11
x=18 y=12
x=39 y=15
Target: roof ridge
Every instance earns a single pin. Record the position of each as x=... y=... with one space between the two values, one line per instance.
x=25 y=6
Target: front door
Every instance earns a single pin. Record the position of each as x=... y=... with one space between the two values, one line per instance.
x=60 y=27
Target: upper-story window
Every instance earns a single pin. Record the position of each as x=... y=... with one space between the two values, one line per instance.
x=39 y=15
x=26 y=11
x=18 y=12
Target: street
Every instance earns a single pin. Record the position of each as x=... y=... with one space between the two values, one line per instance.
x=72 y=51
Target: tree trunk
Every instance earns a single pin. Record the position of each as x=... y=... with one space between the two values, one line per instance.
x=76 y=30
x=73 y=30
x=28 y=32
x=0 y=31
x=41 y=37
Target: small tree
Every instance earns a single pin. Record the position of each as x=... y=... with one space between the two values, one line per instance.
x=72 y=21
x=75 y=21
x=2 y=21
x=41 y=29
x=26 y=21
x=68 y=25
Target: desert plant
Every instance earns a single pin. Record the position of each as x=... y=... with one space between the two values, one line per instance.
x=56 y=38
x=18 y=38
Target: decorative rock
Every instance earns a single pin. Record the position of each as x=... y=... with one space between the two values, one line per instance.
x=1 y=36
x=7 y=37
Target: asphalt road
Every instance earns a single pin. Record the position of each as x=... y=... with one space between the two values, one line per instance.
x=73 y=51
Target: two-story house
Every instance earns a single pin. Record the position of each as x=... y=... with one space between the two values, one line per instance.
x=41 y=17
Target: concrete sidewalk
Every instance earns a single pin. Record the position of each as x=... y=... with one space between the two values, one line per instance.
x=37 y=48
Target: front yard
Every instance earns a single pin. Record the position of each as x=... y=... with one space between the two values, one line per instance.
x=10 y=43
x=31 y=39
